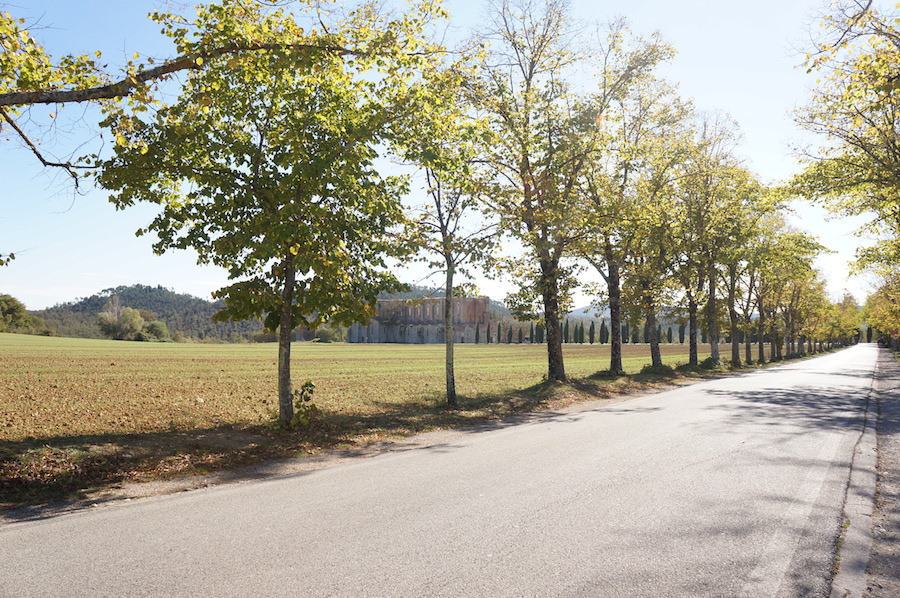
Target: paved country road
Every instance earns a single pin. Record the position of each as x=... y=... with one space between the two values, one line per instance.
x=731 y=487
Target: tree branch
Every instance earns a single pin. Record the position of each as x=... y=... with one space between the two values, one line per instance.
x=67 y=166
x=127 y=85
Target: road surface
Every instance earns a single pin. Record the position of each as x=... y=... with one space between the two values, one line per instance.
x=730 y=487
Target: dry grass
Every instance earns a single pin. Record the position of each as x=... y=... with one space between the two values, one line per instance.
x=77 y=415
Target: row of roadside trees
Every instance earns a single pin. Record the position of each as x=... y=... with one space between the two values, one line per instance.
x=262 y=157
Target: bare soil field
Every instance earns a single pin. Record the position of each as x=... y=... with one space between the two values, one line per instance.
x=79 y=416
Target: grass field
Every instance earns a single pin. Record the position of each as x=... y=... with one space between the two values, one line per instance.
x=77 y=414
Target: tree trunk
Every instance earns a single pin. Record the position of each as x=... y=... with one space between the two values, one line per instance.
x=653 y=332
x=452 y=401
x=733 y=317
x=761 y=336
x=712 y=312
x=693 y=331
x=285 y=331
x=613 y=285
x=550 y=290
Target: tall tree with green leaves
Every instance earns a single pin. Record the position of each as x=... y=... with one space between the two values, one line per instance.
x=265 y=166
x=711 y=199
x=623 y=184
x=538 y=152
x=444 y=142
x=856 y=109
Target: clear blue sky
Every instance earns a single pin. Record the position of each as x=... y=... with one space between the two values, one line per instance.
x=739 y=58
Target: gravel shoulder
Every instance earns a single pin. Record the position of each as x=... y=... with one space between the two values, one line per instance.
x=884 y=559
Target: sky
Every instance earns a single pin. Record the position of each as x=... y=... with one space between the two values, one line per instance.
x=738 y=58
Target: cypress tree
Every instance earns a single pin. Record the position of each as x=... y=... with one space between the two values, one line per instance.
x=531 y=334
x=604 y=332
x=499 y=332
x=520 y=336
x=566 y=332
x=626 y=336
x=681 y=334
x=509 y=335
x=669 y=335
x=477 y=332
x=591 y=333
x=488 y=335
x=540 y=334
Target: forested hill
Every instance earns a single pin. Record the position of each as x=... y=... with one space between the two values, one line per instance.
x=189 y=315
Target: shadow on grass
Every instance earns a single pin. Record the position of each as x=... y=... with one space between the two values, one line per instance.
x=41 y=471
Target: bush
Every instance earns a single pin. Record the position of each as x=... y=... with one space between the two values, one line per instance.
x=330 y=335
x=157 y=330
x=710 y=363
x=658 y=370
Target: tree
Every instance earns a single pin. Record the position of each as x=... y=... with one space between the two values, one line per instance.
x=157 y=330
x=604 y=332
x=625 y=189
x=30 y=76
x=882 y=309
x=545 y=137
x=443 y=142
x=12 y=312
x=591 y=333
x=118 y=322
x=15 y=318
x=856 y=108
x=264 y=165
x=713 y=201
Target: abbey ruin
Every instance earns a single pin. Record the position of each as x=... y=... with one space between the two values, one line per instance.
x=421 y=321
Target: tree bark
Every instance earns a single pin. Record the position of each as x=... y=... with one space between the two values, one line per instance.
x=712 y=309
x=653 y=332
x=452 y=401
x=285 y=331
x=761 y=326
x=614 y=290
x=733 y=317
x=550 y=291
x=693 y=331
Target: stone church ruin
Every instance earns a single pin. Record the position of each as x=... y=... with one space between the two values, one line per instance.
x=421 y=321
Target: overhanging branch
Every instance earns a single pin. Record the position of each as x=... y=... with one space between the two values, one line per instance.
x=127 y=85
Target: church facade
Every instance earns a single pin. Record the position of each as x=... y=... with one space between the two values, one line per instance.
x=421 y=321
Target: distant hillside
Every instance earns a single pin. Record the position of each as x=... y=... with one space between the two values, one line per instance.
x=189 y=315
x=589 y=313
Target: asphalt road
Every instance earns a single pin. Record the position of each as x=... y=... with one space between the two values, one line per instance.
x=732 y=487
